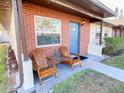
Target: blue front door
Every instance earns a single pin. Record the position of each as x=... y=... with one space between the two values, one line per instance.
x=74 y=37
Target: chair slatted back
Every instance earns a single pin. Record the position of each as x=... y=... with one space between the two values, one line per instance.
x=40 y=57
x=64 y=51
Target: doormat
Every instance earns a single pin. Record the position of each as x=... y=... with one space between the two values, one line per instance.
x=81 y=57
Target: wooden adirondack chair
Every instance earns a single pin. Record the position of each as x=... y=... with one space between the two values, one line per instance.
x=66 y=58
x=43 y=65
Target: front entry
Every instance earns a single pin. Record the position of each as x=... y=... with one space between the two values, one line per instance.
x=74 y=37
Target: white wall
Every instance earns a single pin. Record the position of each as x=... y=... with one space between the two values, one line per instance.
x=94 y=48
x=93 y=28
x=28 y=75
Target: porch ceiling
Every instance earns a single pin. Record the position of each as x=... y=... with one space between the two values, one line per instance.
x=83 y=8
x=5 y=16
x=105 y=23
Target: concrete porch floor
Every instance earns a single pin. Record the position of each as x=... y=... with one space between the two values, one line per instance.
x=64 y=72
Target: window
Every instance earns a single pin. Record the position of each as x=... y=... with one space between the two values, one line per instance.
x=97 y=35
x=47 y=31
x=105 y=34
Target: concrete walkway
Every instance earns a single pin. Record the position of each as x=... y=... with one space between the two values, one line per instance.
x=107 y=70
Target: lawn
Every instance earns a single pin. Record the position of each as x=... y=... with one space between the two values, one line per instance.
x=3 y=74
x=89 y=81
x=116 y=61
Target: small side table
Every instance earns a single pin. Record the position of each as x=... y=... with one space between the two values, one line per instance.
x=58 y=59
x=57 y=56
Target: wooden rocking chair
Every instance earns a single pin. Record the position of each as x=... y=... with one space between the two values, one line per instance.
x=44 y=66
x=66 y=58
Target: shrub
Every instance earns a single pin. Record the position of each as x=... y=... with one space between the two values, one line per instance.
x=113 y=44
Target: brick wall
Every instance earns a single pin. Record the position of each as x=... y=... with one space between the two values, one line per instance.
x=30 y=10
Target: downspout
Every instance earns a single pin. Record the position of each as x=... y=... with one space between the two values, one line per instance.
x=115 y=32
x=21 y=28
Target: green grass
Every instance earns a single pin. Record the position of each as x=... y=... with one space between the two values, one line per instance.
x=116 y=61
x=3 y=57
x=89 y=81
x=3 y=74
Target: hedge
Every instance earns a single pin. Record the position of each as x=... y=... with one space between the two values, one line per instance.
x=113 y=45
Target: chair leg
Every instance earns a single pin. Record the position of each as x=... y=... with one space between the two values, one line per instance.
x=56 y=75
x=81 y=64
x=72 y=68
x=40 y=81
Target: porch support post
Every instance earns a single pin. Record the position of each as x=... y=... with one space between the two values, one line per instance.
x=101 y=29
x=15 y=39
x=115 y=32
x=22 y=30
x=28 y=80
x=121 y=33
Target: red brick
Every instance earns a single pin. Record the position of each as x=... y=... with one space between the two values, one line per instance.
x=30 y=10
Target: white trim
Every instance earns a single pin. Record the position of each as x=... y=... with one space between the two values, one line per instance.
x=50 y=45
x=47 y=32
x=36 y=32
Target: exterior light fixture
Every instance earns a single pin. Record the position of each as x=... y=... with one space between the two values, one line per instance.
x=82 y=22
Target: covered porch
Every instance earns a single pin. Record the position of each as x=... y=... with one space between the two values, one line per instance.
x=66 y=12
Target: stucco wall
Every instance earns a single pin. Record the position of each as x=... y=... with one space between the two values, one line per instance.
x=30 y=10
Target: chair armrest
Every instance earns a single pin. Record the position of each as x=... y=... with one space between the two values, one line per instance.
x=35 y=66
x=66 y=58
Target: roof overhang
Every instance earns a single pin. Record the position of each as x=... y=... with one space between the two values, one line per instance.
x=91 y=9
x=107 y=12
x=105 y=24
x=119 y=26
x=118 y=21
